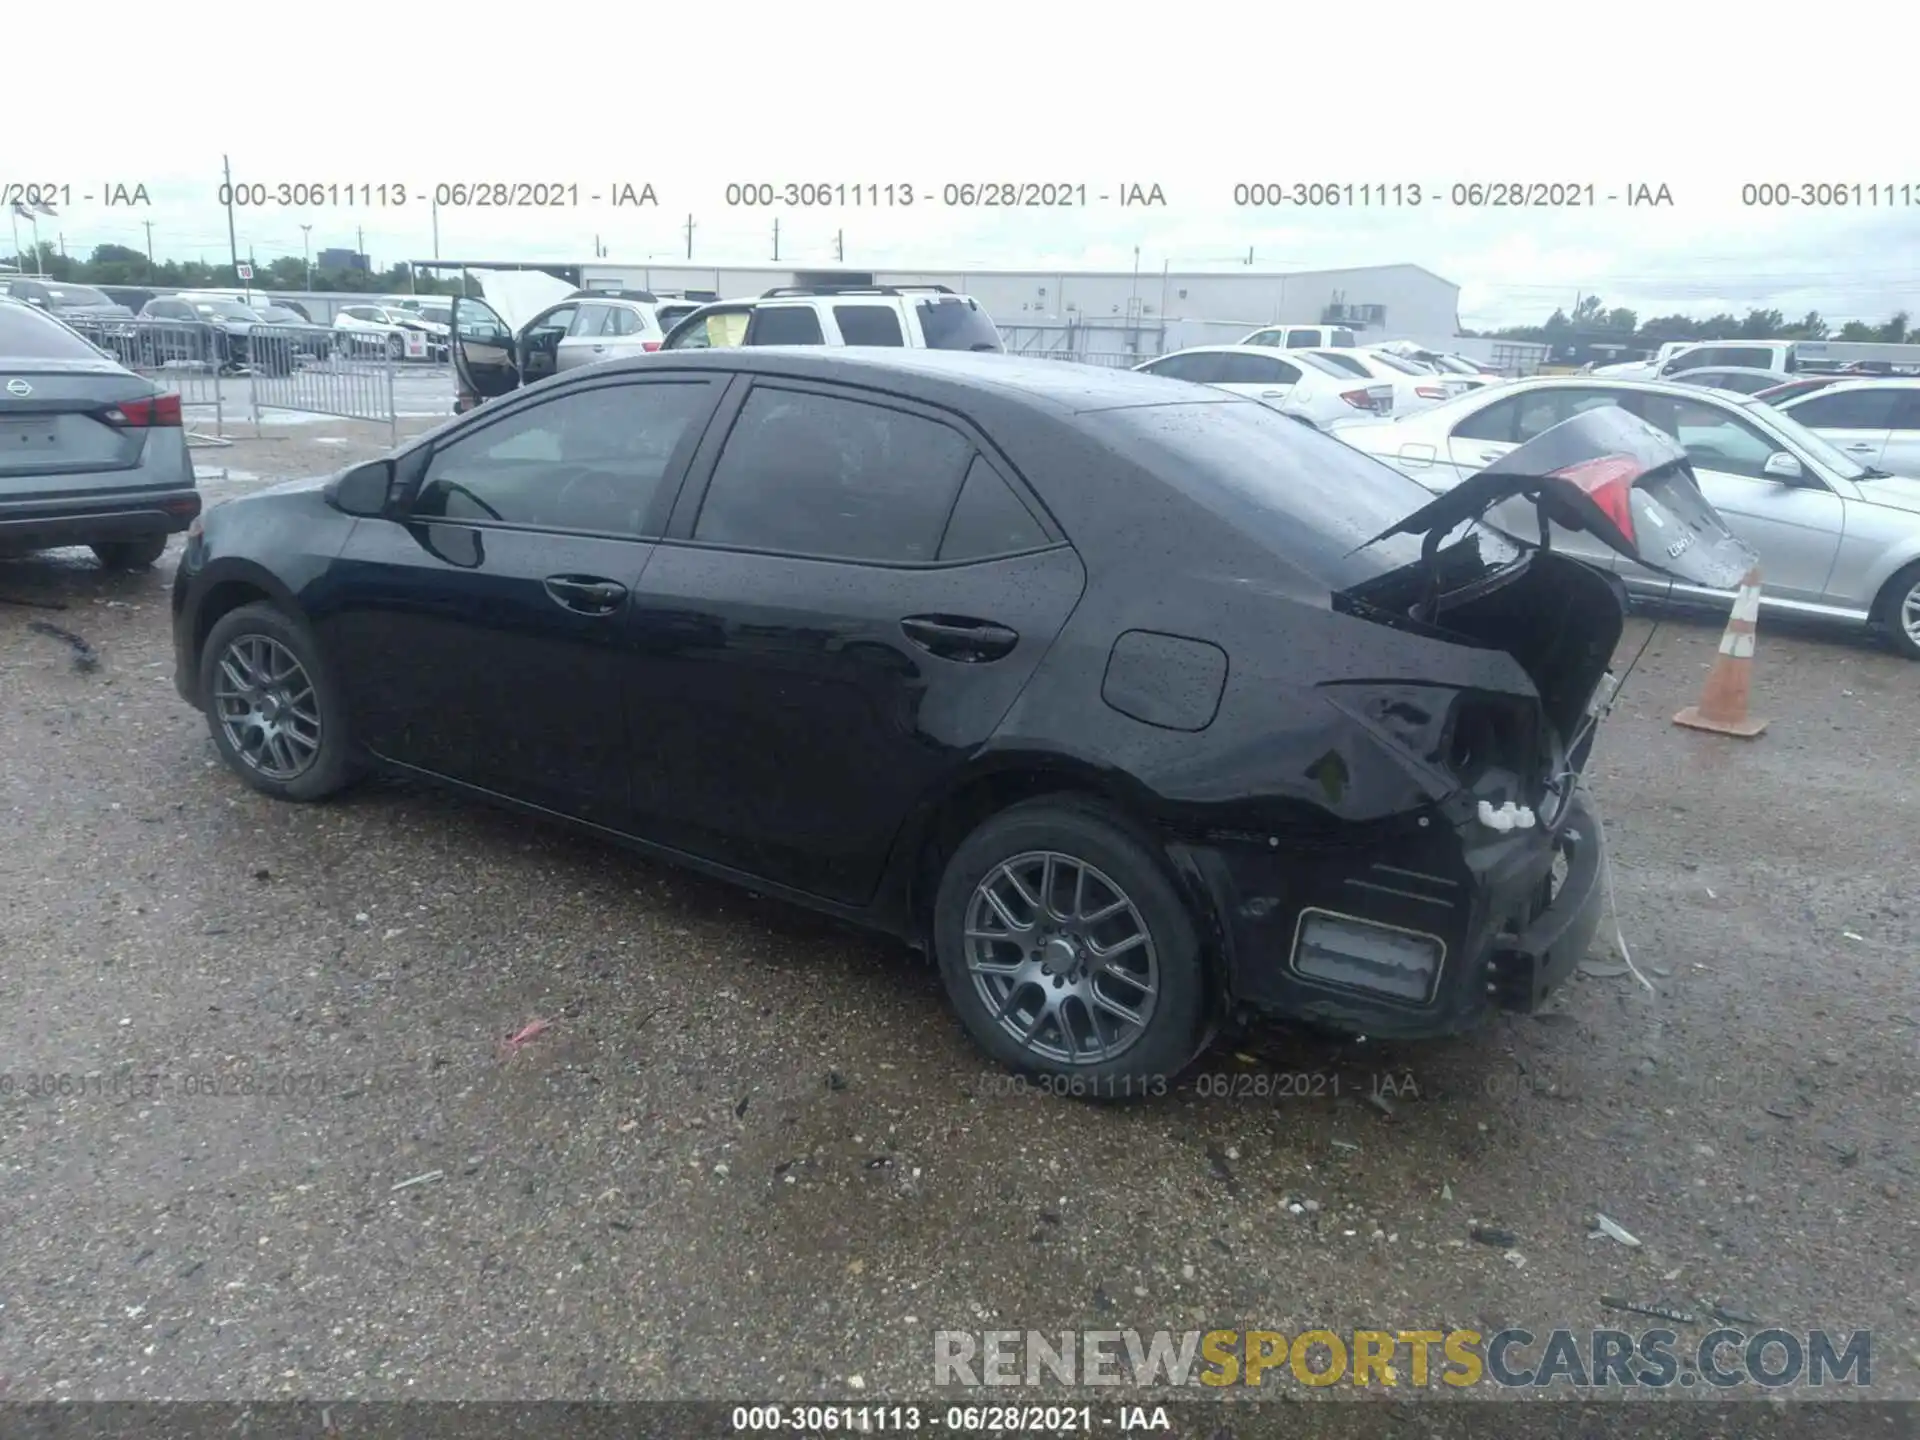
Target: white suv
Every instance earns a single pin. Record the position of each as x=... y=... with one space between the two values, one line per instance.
x=913 y=317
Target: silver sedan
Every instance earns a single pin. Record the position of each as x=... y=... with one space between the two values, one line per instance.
x=1837 y=539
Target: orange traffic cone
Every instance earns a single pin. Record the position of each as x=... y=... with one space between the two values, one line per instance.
x=1723 y=699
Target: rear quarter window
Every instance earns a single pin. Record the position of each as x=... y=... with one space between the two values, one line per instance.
x=956 y=324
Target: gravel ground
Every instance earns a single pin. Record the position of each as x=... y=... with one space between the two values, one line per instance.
x=753 y=1156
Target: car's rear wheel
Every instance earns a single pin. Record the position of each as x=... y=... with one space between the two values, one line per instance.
x=1899 y=611
x=396 y=348
x=1068 y=952
x=275 y=714
x=129 y=554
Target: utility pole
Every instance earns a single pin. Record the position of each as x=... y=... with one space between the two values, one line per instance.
x=689 y=237
x=306 y=251
x=233 y=245
x=1249 y=255
x=360 y=243
x=840 y=246
x=436 y=228
x=250 y=273
x=776 y=239
x=149 y=225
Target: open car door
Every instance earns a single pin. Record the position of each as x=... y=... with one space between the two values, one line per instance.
x=486 y=357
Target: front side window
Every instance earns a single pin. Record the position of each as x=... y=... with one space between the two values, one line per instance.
x=588 y=460
x=591 y=321
x=1714 y=439
x=809 y=474
x=716 y=330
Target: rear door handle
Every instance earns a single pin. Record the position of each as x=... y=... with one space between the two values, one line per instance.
x=958 y=638
x=1487 y=457
x=586 y=594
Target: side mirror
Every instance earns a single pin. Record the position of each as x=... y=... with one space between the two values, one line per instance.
x=1783 y=467
x=363 y=490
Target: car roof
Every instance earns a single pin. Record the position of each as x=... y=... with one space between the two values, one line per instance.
x=1266 y=350
x=1737 y=370
x=1874 y=382
x=1062 y=386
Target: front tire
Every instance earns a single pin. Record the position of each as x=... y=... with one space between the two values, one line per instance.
x=1899 y=611
x=275 y=714
x=1067 y=951
x=396 y=348
x=129 y=554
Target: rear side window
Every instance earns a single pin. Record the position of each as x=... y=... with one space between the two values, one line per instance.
x=785 y=325
x=1848 y=410
x=1346 y=363
x=1906 y=414
x=1304 y=339
x=591 y=321
x=28 y=335
x=868 y=325
x=809 y=474
x=953 y=324
x=989 y=519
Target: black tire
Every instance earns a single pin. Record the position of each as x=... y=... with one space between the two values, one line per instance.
x=334 y=765
x=1094 y=835
x=129 y=554
x=1893 y=596
x=396 y=348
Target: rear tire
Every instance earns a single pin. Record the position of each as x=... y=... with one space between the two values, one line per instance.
x=1899 y=611
x=257 y=641
x=1143 y=957
x=396 y=348
x=129 y=554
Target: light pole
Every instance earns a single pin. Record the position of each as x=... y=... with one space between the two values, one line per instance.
x=306 y=251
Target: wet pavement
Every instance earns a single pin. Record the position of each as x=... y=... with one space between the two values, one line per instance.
x=286 y=1152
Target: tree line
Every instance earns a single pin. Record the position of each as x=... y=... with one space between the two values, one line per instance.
x=123 y=265
x=1594 y=322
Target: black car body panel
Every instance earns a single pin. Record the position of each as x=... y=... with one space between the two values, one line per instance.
x=1208 y=627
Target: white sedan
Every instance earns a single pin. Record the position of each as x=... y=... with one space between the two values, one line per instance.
x=1837 y=539
x=1296 y=382
x=1415 y=387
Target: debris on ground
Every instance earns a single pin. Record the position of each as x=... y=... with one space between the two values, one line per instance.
x=1222 y=1171
x=1602 y=970
x=84 y=656
x=516 y=1041
x=1733 y=1317
x=835 y=1080
x=1491 y=1235
x=33 y=604
x=740 y=1106
x=1658 y=1312
x=428 y=1177
x=1380 y=1103
x=1612 y=1231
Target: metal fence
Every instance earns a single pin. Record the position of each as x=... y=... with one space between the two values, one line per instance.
x=318 y=371
x=189 y=357
x=1111 y=359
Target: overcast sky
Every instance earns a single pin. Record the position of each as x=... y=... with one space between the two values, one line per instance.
x=1192 y=99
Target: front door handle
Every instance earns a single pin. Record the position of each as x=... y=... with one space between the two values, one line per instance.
x=1864 y=449
x=1273 y=394
x=1487 y=457
x=959 y=638
x=586 y=594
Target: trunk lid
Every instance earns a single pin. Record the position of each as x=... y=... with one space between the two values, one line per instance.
x=57 y=419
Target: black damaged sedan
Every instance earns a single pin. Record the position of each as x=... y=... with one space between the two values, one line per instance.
x=1138 y=706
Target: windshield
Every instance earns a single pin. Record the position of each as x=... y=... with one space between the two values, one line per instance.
x=1394 y=362
x=439 y=314
x=75 y=295
x=225 y=309
x=1338 y=366
x=1828 y=454
x=279 y=315
x=951 y=323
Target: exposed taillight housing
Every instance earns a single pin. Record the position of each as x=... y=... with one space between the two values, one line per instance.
x=159 y=410
x=649 y=345
x=1431 y=392
x=1359 y=399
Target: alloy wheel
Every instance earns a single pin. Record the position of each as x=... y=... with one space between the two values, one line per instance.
x=267 y=708
x=1910 y=613
x=1062 y=958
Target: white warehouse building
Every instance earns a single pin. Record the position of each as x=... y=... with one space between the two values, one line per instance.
x=1114 y=311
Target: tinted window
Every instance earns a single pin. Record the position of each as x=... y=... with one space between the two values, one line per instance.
x=807 y=474
x=1256 y=370
x=1848 y=410
x=954 y=324
x=27 y=334
x=1205 y=367
x=1906 y=413
x=591 y=321
x=587 y=460
x=1303 y=339
x=1519 y=418
x=868 y=325
x=785 y=325
x=989 y=519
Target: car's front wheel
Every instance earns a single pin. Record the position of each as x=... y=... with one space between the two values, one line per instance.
x=276 y=716
x=1068 y=952
x=1898 y=611
x=396 y=348
x=129 y=554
